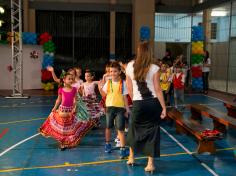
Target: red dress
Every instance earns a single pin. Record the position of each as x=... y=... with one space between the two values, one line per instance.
x=68 y=131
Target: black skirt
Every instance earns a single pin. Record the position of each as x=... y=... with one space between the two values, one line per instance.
x=144 y=130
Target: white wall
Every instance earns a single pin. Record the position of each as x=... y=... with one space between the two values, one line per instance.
x=31 y=67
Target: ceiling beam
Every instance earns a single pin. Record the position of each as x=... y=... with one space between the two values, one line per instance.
x=173 y=9
x=106 y=7
x=209 y=4
x=196 y=8
x=96 y=7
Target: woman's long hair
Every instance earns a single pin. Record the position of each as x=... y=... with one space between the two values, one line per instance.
x=206 y=56
x=143 y=61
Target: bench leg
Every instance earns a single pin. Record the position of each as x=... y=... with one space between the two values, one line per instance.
x=180 y=129
x=168 y=119
x=196 y=115
x=231 y=112
x=219 y=126
x=206 y=146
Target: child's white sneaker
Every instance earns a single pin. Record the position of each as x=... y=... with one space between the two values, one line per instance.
x=117 y=139
x=118 y=144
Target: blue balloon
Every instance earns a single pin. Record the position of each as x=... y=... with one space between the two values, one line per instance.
x=145 y=33
x=47 y=61
x=197 y=33
x=29 y=38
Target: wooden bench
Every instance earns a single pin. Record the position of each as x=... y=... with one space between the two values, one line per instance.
x=231 y=108
x=194 y=128
x=220 y=120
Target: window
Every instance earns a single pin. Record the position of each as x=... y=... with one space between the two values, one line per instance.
x=213 y=30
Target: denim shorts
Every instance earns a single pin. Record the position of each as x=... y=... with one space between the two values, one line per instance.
x=117 y=114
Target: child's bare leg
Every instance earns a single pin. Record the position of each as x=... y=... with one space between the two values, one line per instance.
x=121 y=135
x=108 y=135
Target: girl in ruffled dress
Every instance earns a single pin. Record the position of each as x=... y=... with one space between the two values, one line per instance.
x=62 y=124
x=89 y=97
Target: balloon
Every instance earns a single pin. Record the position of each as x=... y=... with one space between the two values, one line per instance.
x=44 y=38
x=29 y=38
x=144 y=33
x=49 y=47
x=197 y=33
x=10 y=35
x=46 y=75
x=197 y=83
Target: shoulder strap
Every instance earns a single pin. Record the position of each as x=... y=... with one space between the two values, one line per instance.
x=121 y=86
x=109 y=86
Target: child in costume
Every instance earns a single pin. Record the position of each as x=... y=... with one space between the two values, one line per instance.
x=81 y=109
x=62 y=124
x=178 y=82
x=165 y=83
x=89 y=97
x=78 y=80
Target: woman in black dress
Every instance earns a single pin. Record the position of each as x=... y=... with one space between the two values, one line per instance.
x=142 y=77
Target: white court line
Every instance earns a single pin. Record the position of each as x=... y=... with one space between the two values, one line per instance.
x=191 y=104
x=208 y=96
x=214 y=98
x=19 y=143
x=190 y=153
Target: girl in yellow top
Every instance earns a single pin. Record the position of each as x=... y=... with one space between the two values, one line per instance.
x=117 y=107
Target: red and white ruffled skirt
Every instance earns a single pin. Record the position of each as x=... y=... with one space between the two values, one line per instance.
x=68 y=131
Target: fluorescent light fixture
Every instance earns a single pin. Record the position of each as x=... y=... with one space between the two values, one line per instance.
x=2 y=10
x=218 y=13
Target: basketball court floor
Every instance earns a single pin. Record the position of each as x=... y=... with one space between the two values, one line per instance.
x=24 y=152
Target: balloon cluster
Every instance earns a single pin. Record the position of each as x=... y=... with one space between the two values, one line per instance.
x=48 y=86
x=197 y=56
x=47 y=61
x=46 y=76
x=29 y=38
x=196 y=72
x=196 y=59
x=144 y=33
x=197 y=33
x=10 y=35
x=197 y=47
x=44 y=38
x=197 y=83
x=49 y=48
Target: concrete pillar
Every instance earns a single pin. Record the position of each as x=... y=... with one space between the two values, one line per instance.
x=32 y=20
x=207 y=28
x=112 y=32
x=143 y=15
x=26 y=15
